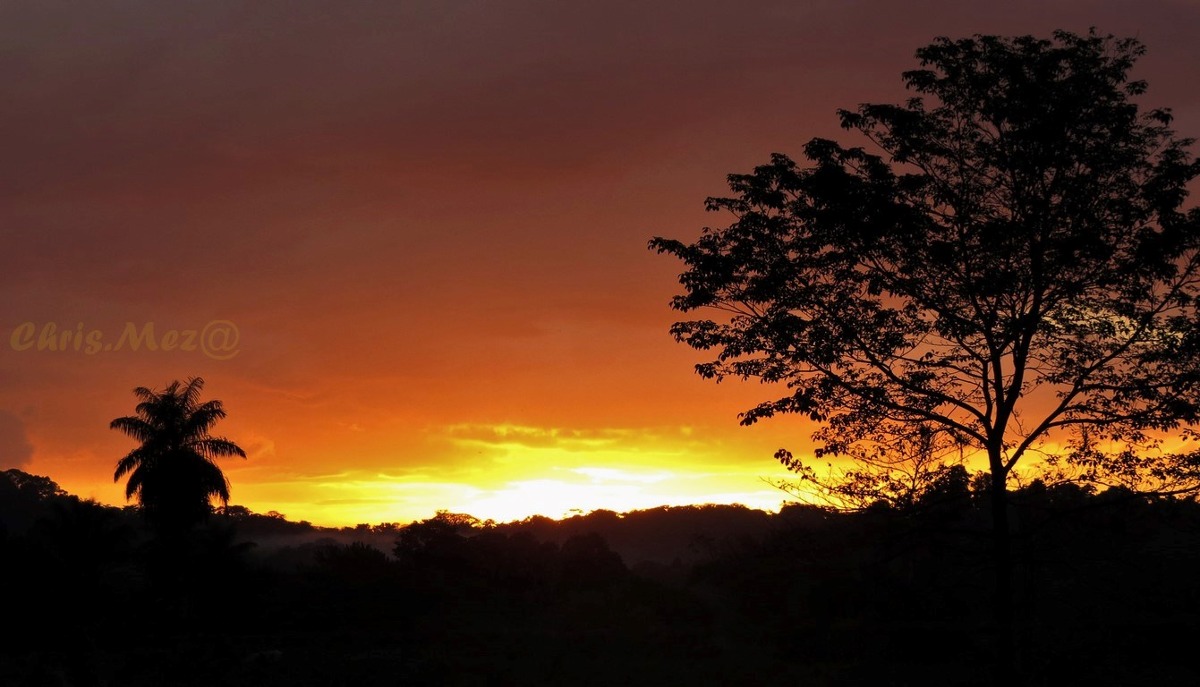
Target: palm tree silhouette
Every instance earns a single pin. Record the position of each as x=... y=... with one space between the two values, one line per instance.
x=173 y=473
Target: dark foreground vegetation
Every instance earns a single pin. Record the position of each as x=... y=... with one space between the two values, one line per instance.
x=1106 y=594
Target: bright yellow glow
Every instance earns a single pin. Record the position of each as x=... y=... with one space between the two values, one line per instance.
x=508 y=472
x=586 y=489
x=351 y=499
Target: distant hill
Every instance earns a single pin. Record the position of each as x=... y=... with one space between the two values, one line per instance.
x=665 y=535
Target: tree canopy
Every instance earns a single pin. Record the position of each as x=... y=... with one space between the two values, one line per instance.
x=1006 y=260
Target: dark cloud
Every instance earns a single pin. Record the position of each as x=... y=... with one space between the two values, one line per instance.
x=15 y=449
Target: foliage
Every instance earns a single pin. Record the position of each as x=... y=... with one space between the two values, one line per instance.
x=1011 y=265
x=899 y=470
x=32 y=486
x=173 y=472
x=25 y=497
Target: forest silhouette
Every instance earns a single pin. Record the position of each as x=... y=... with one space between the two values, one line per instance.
x=1020 y=239
x=666 y=596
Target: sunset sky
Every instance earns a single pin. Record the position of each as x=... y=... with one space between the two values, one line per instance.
x=428 y=223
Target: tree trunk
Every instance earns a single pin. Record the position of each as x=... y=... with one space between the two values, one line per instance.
x=1002 y=602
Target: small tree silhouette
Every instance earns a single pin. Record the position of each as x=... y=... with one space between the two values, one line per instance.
x=173 y=473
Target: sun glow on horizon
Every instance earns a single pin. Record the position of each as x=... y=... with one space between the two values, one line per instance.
x=501 y=472
x=558 y=492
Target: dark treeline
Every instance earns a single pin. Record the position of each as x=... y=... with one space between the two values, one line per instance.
x=689 y=595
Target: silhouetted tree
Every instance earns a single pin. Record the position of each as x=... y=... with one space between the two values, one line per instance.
x=1012 y=264
x=173 y=472
x=25 y=497
x=35 y=486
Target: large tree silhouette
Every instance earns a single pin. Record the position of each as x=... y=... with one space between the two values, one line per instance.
x=173 y=472
x=1006 y=264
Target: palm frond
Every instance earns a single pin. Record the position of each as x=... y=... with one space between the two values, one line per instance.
x=145 y=393
x=134 y=459
x=134 y=427
x=215 y=483
x=191 y=392
x=217 y=447
x=134 y=486
x=203 y=417
x=153 y=411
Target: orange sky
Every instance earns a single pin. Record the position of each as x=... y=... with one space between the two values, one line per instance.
x=427 y=221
